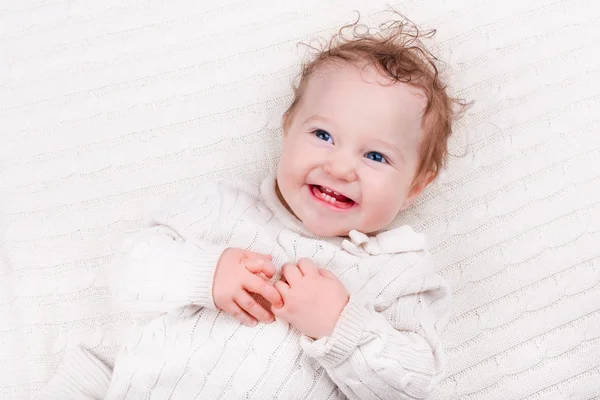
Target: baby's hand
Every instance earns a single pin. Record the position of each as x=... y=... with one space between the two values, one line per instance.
x=313 y=298
x=236 y=276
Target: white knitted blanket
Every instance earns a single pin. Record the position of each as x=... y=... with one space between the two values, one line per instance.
x=109 y=107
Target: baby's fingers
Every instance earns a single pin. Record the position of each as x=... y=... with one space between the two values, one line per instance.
x=250 y=306
x=327 y=274
x=260 y=264
x=260 y=286
x=236 y=311
x=308 y=267
x=283 y=289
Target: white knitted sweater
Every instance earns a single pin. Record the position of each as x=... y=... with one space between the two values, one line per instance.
x=384 y=346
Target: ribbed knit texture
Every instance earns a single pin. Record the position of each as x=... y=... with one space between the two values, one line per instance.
x=109 y=107
x=184 y=348
x=81 y=376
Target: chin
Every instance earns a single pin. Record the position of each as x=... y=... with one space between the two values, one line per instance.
x=321 y=229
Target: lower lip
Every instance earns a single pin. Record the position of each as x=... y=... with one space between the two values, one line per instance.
x=314 y=193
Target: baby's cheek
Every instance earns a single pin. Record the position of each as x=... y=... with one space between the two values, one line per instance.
x=375 y=219
x=384 y=203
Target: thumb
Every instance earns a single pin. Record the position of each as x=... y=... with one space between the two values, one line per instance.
x=257 y=265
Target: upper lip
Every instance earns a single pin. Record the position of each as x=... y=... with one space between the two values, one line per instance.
x=334 y=190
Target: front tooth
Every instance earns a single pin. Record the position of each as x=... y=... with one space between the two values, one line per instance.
x=336 y=193
x=327 y=198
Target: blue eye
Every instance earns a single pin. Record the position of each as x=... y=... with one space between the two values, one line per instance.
x=323 y=135
x=375 y=156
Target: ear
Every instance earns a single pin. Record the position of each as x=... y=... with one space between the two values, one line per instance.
x=417 y=188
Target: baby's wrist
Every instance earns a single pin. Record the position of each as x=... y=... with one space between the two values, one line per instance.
x=334 y=320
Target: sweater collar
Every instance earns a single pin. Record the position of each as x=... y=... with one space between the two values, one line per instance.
x=397 y=240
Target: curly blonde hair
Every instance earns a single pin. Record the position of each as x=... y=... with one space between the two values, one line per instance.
x=397 y=51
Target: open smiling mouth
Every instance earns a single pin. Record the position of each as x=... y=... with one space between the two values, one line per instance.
x=331 y=197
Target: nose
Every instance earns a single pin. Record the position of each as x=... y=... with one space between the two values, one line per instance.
x=340 y=166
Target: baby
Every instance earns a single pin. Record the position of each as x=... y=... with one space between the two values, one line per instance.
x=293 y=288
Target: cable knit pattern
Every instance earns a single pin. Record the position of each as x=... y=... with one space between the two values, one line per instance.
x=385 y=345
x=109 y=107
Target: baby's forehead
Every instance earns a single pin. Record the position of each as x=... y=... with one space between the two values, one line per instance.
x=362 y=85
x=340 y=77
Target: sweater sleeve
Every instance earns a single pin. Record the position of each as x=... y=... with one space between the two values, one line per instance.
x=168 y=265
x=388 y=351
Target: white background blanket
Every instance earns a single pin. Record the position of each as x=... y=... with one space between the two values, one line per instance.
x=107 y=108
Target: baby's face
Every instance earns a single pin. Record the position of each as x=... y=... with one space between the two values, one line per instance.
x=351 y=151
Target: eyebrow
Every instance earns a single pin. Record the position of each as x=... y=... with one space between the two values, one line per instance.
x=318 y=118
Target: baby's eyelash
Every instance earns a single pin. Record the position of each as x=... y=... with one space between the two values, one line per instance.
x=377 y=157
x=323 y=135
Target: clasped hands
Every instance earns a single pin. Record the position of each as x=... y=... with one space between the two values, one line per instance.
x=308 y=297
